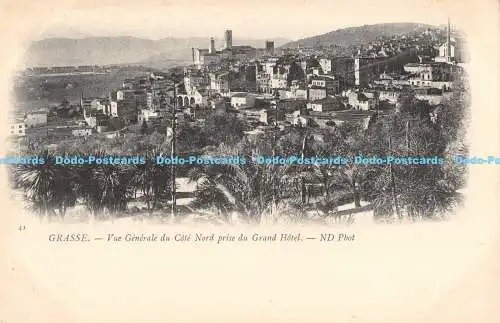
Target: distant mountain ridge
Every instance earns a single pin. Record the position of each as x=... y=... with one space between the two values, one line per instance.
x=121 y=50
x=358 y=35
x=128 y=49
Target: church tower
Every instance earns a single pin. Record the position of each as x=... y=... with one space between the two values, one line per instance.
x=447 y=50
x=448 y=42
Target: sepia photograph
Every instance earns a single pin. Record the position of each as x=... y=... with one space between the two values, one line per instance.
x=250 y=161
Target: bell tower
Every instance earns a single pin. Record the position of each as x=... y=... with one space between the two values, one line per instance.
x=228 y=37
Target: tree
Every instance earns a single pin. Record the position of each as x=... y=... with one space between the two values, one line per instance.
x=105 y=187
x=48 y=187
x=245 y=189
x=152 y=180
x=419 y=191
x=351 y=181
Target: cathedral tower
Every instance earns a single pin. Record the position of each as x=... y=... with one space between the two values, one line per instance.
x=228 y=37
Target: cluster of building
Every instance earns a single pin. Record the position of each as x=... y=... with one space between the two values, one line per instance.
x=294 y=87
x=269 y=87
x=31 y=120
x=210 y=56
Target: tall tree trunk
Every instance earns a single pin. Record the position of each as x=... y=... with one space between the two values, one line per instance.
x=327 y=191
x=153 y=207
x=62 y=211
x=357 y=198
x=303 y=191
x=148 y=204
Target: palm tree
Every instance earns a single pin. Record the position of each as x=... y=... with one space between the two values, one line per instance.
x=105 y=187
x=246 y=189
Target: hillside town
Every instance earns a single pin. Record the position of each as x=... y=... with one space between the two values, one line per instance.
x=306 y=86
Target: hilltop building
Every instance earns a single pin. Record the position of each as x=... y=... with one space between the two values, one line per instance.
x=211 y=56
x=270 y=47
x=208 y=56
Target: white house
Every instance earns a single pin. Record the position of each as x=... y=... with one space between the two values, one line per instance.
x=219 y=82
x=114 y=108
x=298 y=94
x=148 y=115
x=91 y=121
x=200 y=97
x=279 y=83
x=150 y=100
x=360 y=101
x=442 y=85
x=243 y=100
x=446 y=52
x=124 y=94
x=326 y=64
x=269 y=116
x=390 y=96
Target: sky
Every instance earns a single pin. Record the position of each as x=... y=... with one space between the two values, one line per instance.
x=292 y=19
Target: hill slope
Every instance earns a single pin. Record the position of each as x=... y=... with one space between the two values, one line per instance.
x=358 y=35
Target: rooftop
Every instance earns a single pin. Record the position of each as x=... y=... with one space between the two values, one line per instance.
x=37 y=112
x=240 y=95
x=326 y=100
x=322 y=77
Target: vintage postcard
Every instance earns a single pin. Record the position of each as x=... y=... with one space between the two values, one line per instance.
x=242 y=161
